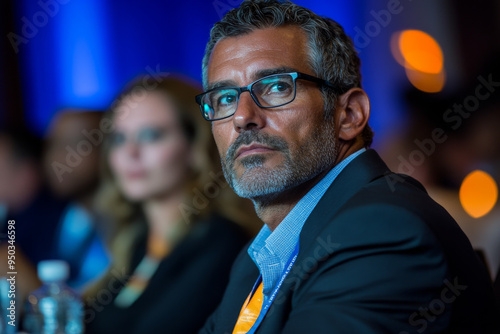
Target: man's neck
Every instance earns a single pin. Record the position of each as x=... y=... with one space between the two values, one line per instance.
x=273 y=210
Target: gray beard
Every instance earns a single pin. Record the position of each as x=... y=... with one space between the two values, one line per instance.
x=263 y=185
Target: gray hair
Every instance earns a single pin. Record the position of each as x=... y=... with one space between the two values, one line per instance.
x=332 y=55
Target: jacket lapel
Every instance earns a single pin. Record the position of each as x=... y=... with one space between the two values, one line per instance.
x=365 y=168
x=362 y=170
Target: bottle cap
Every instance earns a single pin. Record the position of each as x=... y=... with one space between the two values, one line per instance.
x=53 y=270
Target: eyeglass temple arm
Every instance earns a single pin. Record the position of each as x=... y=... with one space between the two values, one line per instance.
x=321 y=82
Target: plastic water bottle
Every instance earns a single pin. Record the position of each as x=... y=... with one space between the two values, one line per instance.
x=53 y=308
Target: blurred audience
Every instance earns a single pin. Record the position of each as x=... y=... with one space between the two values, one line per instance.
x=467 y=139
x=20 y=179
x=71 y=164
x=25 y=198
x=174 y=239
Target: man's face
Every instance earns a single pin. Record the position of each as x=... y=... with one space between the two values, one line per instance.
x=267 y=152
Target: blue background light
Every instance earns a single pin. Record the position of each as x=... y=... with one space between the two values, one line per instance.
x=89 y=49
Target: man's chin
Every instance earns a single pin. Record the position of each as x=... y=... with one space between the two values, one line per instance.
x=258 y=176
x=253 y=193
x=258 y=182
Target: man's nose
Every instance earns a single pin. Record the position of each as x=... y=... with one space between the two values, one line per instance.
x=248 y=115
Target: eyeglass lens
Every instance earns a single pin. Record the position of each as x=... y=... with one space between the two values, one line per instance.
x=267 y=92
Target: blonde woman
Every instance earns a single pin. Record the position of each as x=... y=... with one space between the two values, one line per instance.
x=172 y=249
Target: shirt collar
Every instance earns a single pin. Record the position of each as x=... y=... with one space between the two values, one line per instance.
x=270 y=251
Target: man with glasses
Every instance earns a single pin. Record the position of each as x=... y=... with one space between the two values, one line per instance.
x=347 y=246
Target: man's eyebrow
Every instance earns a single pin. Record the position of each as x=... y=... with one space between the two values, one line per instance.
x=270 y=71
x=256 y=76
x=223 y=83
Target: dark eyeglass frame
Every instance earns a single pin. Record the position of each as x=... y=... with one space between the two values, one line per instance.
x=294 y=75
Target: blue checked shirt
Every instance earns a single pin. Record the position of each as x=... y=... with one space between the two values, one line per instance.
x=271 y=250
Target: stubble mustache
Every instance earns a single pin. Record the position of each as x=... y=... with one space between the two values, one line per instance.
x=254 y=137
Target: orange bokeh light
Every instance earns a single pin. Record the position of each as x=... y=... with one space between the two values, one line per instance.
x=420 y=51
x=426 y=82
x=478 y=193
x=422 y=58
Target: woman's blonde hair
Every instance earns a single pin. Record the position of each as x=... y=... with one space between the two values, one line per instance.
x=207 y=189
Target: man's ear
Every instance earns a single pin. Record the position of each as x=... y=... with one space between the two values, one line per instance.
x=353 y=112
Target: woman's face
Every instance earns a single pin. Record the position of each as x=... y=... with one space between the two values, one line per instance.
x=149 y=153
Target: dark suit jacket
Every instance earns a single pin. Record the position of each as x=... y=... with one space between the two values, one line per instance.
x=36 y=226
x=377 y=255
x=184 y=290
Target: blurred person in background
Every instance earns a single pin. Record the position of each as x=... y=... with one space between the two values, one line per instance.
x=173 y=244
x=469 y=141
x=474 y=146
x=71 y=164
x=25 y=198
x=20 y=179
